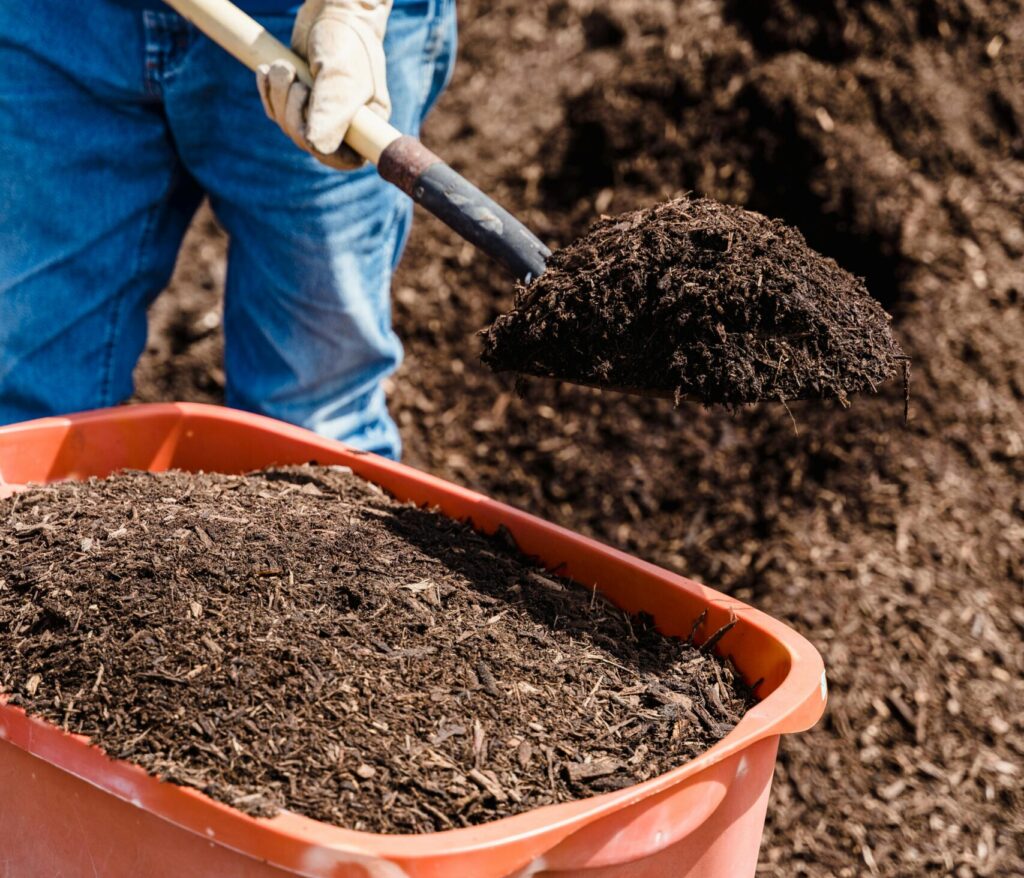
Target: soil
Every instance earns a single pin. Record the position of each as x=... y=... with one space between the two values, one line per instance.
x=892 y=135
x=697 y=300
x=296 y=638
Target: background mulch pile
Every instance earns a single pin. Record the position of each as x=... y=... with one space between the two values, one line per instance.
x=701 y=300
x=891 y=133
x=296 y=638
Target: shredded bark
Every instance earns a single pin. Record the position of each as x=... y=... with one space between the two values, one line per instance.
x=298 y=639
x=891 y=133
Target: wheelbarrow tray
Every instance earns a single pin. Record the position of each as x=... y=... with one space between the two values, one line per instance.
x=68 y=809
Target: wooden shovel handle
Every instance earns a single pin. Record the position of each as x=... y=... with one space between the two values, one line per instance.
x=401 y=160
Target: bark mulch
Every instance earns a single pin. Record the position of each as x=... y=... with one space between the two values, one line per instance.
x=700 y=300
x=891 y=133
x=298 y=639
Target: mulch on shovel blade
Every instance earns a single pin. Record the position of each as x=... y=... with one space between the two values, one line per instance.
x=698 y=299
x=296 y=638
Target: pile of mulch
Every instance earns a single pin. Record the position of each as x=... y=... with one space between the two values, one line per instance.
x=698 y=300
x=298 y=639
x=891 y=133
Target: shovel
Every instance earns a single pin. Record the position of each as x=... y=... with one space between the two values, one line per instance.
x=400 y=159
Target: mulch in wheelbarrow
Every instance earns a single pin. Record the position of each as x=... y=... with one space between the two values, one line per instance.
x=298 y=639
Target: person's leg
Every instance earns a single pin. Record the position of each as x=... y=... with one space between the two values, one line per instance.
x=307 y=312
x=93 y=202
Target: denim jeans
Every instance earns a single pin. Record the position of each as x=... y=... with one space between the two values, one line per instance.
x=114 y=122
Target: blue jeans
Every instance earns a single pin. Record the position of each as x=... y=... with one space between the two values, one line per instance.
x=114 y=122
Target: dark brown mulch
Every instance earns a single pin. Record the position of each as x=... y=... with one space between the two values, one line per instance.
x=698 y=300
x=296 y=638
x=891 y=133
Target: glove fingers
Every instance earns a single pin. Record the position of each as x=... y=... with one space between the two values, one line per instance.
x=279 y=82
x=283 y=88
x=336 y=99
x=263 y=87
x=284 y=98
x=294 y=119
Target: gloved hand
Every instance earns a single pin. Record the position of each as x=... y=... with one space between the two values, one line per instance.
x=343 y=41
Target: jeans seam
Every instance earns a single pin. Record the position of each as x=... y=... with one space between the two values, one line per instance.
x=145 y=240
x=152 y=53
x=169 y=40
x=431 y=48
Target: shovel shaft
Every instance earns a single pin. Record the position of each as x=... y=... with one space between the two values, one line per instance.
x=401 y=160
x=458 y=203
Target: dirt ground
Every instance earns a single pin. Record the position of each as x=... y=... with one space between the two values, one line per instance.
x=892 y=134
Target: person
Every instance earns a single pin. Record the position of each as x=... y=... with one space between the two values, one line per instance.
x=118 y=116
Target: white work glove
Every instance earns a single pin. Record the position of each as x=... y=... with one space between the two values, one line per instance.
x=343 y=41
